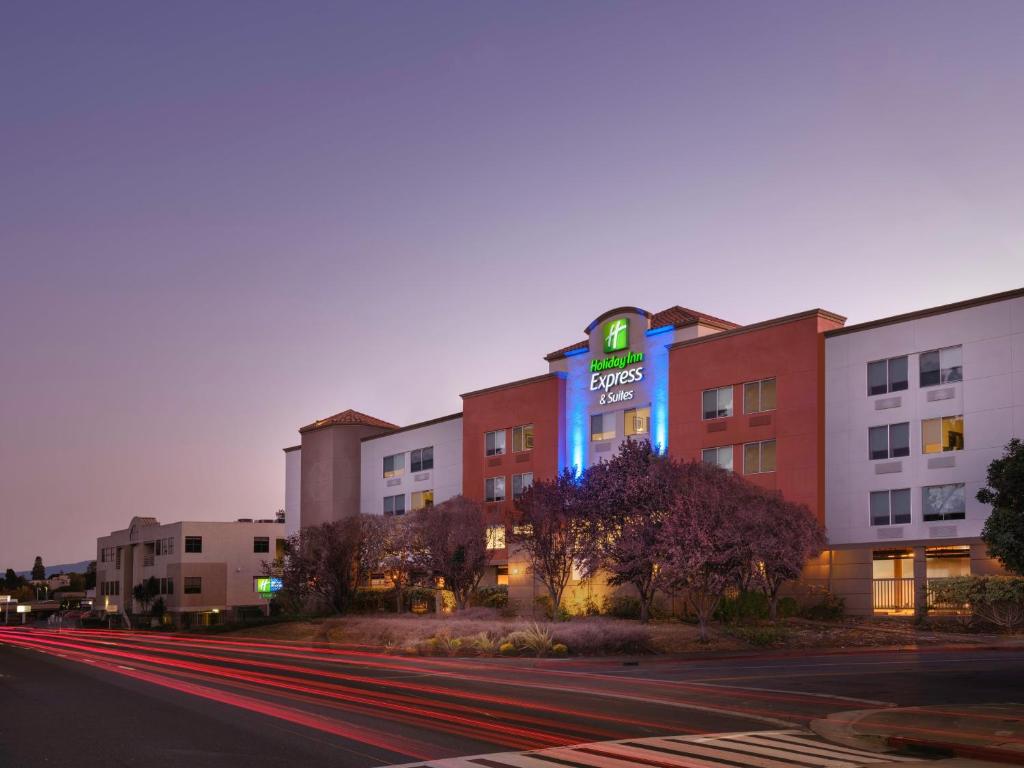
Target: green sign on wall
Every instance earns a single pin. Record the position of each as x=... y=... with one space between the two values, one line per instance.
x=616 y=335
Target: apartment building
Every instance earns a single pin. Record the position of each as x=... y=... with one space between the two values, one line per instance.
x=206 y=571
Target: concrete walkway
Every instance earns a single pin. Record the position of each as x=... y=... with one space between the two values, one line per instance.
x=991 y=732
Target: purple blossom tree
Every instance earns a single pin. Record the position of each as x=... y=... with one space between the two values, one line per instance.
x=552 y=527
x=453 y=538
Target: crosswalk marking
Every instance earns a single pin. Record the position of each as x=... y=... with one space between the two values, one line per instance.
x=751 y=749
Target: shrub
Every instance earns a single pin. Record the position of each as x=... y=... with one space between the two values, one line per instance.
x=543 y=603
x=483 y=644
x=998 y=600
x=507 y=649
x=830 y=607
x=788 y=607
x=560 y=649
x=492 y=597
x=622 y=607
x=743 y=606
x=534 y=639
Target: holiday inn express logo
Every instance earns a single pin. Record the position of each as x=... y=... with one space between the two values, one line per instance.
x=616 y=335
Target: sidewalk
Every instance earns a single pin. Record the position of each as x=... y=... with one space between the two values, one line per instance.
x=992 y=732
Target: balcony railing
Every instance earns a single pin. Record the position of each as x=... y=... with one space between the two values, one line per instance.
x=893 y=594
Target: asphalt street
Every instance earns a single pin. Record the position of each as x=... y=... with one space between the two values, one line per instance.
x=91 y=697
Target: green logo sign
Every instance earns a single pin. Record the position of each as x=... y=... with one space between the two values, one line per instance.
x=616 y=335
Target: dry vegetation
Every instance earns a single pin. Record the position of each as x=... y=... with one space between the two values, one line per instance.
x=482 y=632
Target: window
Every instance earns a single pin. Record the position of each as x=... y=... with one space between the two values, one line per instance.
x=520 y=483
x=602 y=426
x=117 y=558
x=193 y=585
x=942 y=366
x=107 y=554
x=717 y=403
x=394 y=505
x=721 y=456
x=494 y=489
x=759 y=396
x=394 y=466
x=638 y=421
x=194 y=544
x=261 y=544
x=166 y=586
x=494 y=442
x=495 y=536
x=887 y=375
x=422 y=459
x=165 y=546
x=889 y=442
x=945 y=434
x=943 y=502
x=502 y=576
x=422 y=499
x=522 y=438
x=890 y=507
x=759 y=457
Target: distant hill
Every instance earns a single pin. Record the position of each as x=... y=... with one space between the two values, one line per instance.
x=78 y=567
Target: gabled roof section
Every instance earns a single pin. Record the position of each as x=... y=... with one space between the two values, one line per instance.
x=675 y=317
x=349 y=418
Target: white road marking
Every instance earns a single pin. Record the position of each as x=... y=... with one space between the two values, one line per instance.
x=799 y=693
x=753 y=749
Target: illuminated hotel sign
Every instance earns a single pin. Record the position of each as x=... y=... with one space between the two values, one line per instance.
x=615 y=371
x=269 y=585
x=616 y=335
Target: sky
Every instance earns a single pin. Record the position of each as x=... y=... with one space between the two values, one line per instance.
x=222 y=221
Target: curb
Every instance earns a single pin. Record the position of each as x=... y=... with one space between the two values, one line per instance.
x=951 y=749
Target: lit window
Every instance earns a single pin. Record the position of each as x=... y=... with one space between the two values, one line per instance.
x=502 y=579
x=721 y=456
x=759 y=457
x=422 y=499
x=520 y=483
x=602 y=426
x=717 y=403
x=940 y=435
x=889 y=442
x=194 y=544
x=421 y=459
x=890 y=507
x=193 y=585
x=943 y=502
x=941 y=366
x=638 y=421
x=394 y=505
x=887 y=375
x=759 y=396
x=496 y=537
x=494 y=489
x=494 y=442
x=394 y=466
x=522 y=438
x=261 y=544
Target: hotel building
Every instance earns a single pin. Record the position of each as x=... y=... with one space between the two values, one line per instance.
x=796 y=404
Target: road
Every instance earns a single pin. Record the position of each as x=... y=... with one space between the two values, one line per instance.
x=92 y=697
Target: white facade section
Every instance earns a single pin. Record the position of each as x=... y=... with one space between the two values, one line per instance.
x=990 y=398
x=444 y=478
x=292 y=490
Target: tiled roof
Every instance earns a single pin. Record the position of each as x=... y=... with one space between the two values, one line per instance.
x=673 y=316
x=349 y=418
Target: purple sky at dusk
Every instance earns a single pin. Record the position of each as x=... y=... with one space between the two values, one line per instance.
x=220 y=221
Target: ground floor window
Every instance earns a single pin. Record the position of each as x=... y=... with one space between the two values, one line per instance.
x=193 y=585
x=502 y=579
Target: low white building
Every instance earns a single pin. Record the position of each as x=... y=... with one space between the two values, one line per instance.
x=412 y=467
x=916 y=407
x=206 y=571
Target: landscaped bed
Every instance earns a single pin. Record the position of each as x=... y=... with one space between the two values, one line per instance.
x=482 y=632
